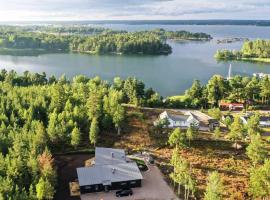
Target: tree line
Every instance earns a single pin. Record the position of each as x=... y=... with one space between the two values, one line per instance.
x=250 y=49
x=41 y=116
x=92 y=40
x=253 y=91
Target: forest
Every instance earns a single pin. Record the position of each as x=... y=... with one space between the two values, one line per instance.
x=251 y=50
x=92 y=40
x=41 y=116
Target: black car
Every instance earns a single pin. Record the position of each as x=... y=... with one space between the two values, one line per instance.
x=123 y=193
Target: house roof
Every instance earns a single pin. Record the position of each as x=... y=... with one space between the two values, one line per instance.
x=110 y=166
x=106 y=174
x=109 y=156
x=264 y=118
x=213 y=121
x=231 y=104
x=178 y=117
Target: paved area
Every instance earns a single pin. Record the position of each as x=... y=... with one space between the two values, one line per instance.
x=153 y=188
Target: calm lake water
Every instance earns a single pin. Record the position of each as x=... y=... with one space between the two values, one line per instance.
x=169 y=75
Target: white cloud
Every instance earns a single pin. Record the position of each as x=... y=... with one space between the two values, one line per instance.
x=13 y=10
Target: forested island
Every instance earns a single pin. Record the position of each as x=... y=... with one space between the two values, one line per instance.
x=92 y=40
x=258 y=51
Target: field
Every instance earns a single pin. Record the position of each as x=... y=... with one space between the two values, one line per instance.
x=205 y=155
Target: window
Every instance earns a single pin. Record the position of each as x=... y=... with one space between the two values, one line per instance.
x=133 y=182
x=96 y=188
x=123 y=183
x=87 y=187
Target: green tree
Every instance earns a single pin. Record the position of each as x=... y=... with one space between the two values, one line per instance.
x=119 y=117
x=216 y=89
x=256 y=150
x=259 y=181
x=214 y=187
x=94 y=131
x=190 y=134
x=253 y=125
x=228 y=121
x=217 y=133
x=75 y=137
x=44 y=189
x=236 y=132
x=215 y=113
x=177 y=139
x=195 y=93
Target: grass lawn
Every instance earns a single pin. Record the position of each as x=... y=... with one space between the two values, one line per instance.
x=180 y=98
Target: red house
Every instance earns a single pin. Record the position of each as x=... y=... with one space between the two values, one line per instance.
x=231 y=106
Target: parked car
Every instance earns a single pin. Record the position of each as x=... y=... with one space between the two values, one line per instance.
x=123 y=193
x=150 y=160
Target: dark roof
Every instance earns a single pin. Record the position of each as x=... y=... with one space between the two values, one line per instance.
x=264 y=118
x=110 y=166
x=107 y=174
x=213 y=121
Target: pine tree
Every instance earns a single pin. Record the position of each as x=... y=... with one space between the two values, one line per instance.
x=256 y=150
x=217 y=133
x=118 y=117
x=236 y=133
x=94 y=131
x=253 y=125
x=75 y=137
x=214 y=187
x=259 y=181
x=190 y=134
x=177 y=138
x=44 y=189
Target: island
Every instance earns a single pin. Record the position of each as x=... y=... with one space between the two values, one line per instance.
x=91 y=40
x=253 y=51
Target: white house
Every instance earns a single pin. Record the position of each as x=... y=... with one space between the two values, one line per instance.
x=179 y=120
x=264 y=120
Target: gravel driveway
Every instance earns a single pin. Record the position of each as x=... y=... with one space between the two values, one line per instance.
x=153 y=188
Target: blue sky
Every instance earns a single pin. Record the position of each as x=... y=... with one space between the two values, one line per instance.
x=23 y=10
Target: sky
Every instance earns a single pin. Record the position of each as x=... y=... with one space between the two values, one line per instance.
x=59 y=10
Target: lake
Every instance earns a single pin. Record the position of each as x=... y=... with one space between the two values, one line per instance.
x=169 y=75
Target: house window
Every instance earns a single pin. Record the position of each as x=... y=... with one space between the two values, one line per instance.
x=133 y=182
x=123 y=184
x=87 y=187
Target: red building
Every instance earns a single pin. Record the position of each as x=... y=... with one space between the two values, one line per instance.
x=231 y=106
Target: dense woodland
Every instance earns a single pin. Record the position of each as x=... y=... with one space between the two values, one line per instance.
x=250 y=49
x=92 y=40
x=41 y=116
